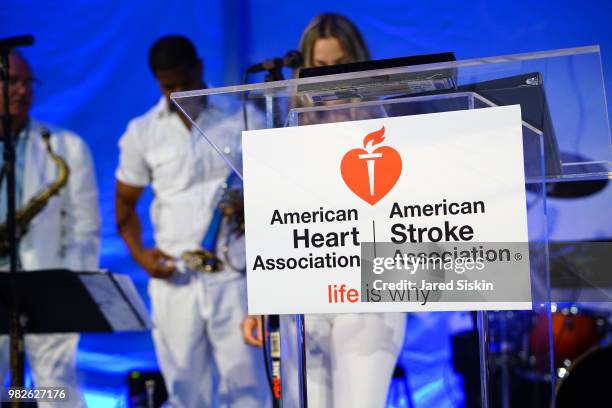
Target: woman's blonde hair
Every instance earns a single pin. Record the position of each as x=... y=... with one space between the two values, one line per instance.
x=333 y=25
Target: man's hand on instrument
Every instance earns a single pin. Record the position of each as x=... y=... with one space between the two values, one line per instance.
x=156 y=263
x=252 y=331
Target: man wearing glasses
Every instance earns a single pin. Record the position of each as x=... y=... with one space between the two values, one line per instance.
x=65 y=234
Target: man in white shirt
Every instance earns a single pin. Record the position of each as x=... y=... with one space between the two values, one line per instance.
x=65 y=234
x=196 y=315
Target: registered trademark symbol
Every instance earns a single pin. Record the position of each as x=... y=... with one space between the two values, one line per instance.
x=518 y=256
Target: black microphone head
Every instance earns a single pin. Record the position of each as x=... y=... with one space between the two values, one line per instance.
x=7 y=44
x=293 y=59
x=44 y=132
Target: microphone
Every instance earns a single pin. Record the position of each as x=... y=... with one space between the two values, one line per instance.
x=7 y=44
x=292 y=59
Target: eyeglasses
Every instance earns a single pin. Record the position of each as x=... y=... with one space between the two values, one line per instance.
x=28 y=82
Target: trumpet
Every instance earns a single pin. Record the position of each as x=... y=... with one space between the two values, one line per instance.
x=230 y=212
x=199 y=260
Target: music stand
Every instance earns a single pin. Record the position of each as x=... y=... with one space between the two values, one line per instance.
x=63 y=301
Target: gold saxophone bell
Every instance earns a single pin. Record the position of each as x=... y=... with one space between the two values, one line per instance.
x=25 y=214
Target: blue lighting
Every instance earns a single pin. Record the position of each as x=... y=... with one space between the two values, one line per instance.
x=91 y=60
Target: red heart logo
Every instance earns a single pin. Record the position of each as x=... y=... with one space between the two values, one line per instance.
x=371 y=175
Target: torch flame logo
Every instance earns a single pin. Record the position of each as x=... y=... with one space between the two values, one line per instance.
x=374 y=138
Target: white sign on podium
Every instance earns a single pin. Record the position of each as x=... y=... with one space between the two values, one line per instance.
x=320 y=198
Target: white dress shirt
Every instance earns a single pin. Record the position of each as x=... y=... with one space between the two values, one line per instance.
x=183 y=169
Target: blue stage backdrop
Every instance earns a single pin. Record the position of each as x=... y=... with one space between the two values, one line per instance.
x=90 y=57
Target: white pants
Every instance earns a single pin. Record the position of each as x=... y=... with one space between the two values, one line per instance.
x=349 y=361
x=196 y=319
x=52 y=358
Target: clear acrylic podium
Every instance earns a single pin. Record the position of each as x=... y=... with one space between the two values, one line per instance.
x=566 y=141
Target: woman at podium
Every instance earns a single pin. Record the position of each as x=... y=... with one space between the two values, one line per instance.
x=350 y=357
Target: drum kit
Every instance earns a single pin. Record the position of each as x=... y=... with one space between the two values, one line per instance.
x=569 y=349
x=521 y=358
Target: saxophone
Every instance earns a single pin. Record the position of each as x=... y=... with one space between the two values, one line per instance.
x=36 y=204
